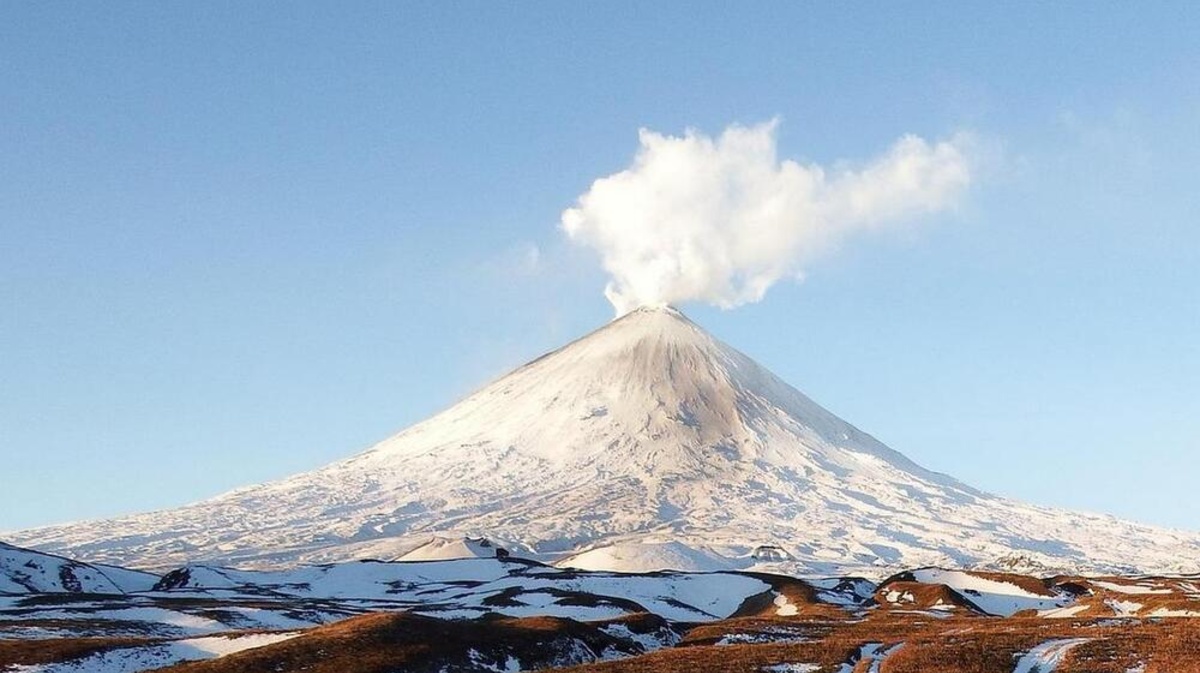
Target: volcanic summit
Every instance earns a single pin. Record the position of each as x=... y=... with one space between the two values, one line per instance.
x=646 y=444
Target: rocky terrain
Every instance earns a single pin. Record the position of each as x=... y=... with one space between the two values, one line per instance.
x=507 y=614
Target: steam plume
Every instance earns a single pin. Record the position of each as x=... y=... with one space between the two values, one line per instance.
x=722 y=220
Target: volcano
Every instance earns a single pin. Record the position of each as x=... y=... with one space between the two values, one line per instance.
x=646 y=444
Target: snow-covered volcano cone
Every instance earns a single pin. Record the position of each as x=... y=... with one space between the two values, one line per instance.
x=646 y=444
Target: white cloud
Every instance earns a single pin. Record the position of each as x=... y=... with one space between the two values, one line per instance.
x=722 y=220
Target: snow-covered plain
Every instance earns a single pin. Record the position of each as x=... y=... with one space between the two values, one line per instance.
x=472 y=587
x=643 y=445
x=201 y=601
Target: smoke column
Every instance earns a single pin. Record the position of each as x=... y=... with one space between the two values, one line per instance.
x=722 y=220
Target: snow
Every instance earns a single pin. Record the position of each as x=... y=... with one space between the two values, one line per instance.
x=479 y=662
x=440 y=549
x=260 y=618
x=866 y=652
x=878 y=658
x=135 y=659
x=1130 y=588
x=792 y=668
x=1167 y=612
x=140 y=619
x=363 y=579
x=162 y=616
x=1046 y=657
x=27 y=571
x=992 y=596
x=462 y=587
x=647 y=641
x=647 y=443
x=844 y=591
x=1123 y=608
x=646 y=557
x=219 y=646
x=675 y=596
x=772 y=634
x=784 y=607
x=1062 y=613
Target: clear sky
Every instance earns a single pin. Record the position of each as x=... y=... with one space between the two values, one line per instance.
x=241 y=240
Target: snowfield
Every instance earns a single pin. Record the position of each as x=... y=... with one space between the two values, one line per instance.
x=471 y=587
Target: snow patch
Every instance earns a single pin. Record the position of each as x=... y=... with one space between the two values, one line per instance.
x=1062 y=613
x=1046 y=657
x=1123 y=608
x=994 y=597
x=784 y=607
x=135 y=659
x=1130 y=588
x=1166 y=612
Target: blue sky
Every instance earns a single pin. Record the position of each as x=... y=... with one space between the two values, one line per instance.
x=240 y=241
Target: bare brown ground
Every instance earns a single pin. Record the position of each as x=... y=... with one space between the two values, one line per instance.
x=955 y=645
x=16 y=652
x=391 y=642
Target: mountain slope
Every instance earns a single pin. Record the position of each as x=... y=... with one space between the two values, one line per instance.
x=647 y=432
x=25 y=571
